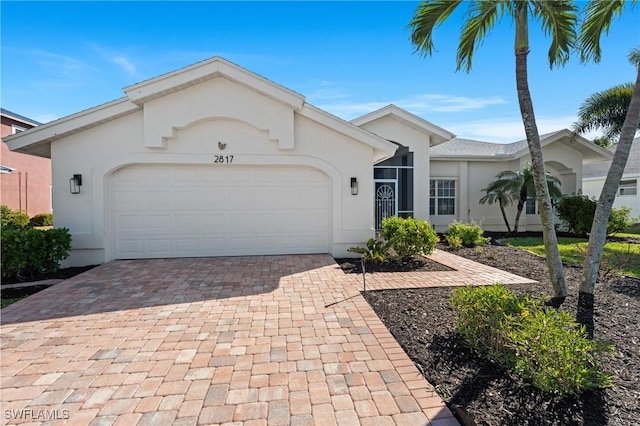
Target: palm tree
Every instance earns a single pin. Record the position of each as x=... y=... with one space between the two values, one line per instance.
x=559 y=20
x=599 y=15
x=495 y=194
x=519 y=186
x=605 y=110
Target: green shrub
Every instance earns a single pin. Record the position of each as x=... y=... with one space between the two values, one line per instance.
x=42 y=219
x=553 y=351
x=470 y=234
x=540 y=344
x=454 y=241
x=577 y=213
x=13 y=218
x=619 y=220
x=409 y=237
x=29 y=250
x=484 y=316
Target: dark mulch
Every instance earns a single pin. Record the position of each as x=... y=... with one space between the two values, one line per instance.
x=353 y=266
x=11 y=295
x=423 y=322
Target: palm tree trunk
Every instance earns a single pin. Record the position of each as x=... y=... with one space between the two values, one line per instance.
x=518 y=213
x=504 y=217
x=598 y=235
x=554 y=262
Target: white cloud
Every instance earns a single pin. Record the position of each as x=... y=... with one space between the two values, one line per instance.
x=125 y=63
x=508 y=130
x=421 y=104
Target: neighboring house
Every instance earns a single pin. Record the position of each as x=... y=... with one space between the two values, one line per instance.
x=214 y=160
x=628 y=195
x=25 y=180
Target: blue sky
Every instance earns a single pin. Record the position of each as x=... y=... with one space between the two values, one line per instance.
x=348 y=58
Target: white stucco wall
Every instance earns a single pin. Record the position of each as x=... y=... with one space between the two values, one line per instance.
x=592 y=188
x=185 y=128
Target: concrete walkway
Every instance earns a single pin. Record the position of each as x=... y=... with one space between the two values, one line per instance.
x=277 y=340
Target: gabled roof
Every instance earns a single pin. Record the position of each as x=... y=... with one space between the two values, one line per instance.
x=466 y=148
x=18 y=117
x=36 y=141
x=419 y=124
x=600 y=169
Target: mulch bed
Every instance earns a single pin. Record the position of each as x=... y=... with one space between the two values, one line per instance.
x=353 y=266
x=422 y=321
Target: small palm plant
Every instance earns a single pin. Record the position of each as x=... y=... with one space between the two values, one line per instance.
x=376 y=251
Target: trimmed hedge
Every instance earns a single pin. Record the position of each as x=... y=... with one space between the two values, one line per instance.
x=409 y=237
x=42 y=219
x=28 y=250
x=465 y=234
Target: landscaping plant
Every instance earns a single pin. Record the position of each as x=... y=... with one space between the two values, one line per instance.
x=376 y=251
x=42 y=219
x=465 y=234
x=542 y=345
x=408 y=237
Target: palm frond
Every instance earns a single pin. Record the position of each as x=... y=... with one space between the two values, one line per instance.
x=605 y=110
x=429 y=15
x=482 y=18
x=634 y=56
x=599 y=14
x=559 y=19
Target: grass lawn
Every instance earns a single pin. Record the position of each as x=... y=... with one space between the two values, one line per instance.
x=622 y=257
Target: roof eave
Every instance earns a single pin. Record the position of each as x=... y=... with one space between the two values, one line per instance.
x=37 y=140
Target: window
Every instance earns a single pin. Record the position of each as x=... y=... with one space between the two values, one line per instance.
x=442 y=197
x=628 y=187
x=531 y=206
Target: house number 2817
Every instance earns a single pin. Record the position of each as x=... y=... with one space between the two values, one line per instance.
x=223 y=159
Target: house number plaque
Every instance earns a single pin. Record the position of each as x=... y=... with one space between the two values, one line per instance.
x=223 y=159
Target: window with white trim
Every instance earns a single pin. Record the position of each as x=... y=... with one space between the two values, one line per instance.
x=628 y=187
x=442 y=197
x=531 y=206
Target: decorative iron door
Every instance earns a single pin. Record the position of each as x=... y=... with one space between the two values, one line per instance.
x=386 y=200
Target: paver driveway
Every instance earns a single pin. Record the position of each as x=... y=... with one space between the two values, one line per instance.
x=272 y=340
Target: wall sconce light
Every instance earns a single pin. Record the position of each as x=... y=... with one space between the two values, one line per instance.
x=354 y=186
x=75 y=183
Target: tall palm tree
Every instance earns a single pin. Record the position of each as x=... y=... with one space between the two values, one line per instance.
x=605 y=110
x=519 y=186
x=559 y=20
x=599 y=15
x=496 y=194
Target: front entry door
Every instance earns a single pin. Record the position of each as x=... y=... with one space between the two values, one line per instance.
x=386 y=200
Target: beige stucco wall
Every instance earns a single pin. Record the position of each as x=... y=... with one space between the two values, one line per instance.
x=561 y=160
x=185 y=128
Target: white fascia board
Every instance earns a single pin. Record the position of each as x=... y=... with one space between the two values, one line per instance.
x=409 y=119
x=207 y=70
x=383 y=149
x=32 y=141
x=584 y=146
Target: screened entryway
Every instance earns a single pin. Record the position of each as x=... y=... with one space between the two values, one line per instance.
x=393 y=180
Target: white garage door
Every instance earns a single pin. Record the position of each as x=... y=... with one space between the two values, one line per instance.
x=209 y=210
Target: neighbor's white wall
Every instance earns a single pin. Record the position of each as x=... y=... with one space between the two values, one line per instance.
x=592 y=187
x=253 y=127
x=418 y=143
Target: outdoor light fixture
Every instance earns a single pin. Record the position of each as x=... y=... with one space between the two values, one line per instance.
x=75 y=183
x=354 y=186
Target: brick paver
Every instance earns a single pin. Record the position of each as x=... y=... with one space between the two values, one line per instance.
x=254 y=340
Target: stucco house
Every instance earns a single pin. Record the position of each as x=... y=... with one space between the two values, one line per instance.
x=628 y=196
x=213 y=159
x=25 y=180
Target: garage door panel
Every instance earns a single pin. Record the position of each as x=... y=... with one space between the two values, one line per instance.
x=219 y=210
